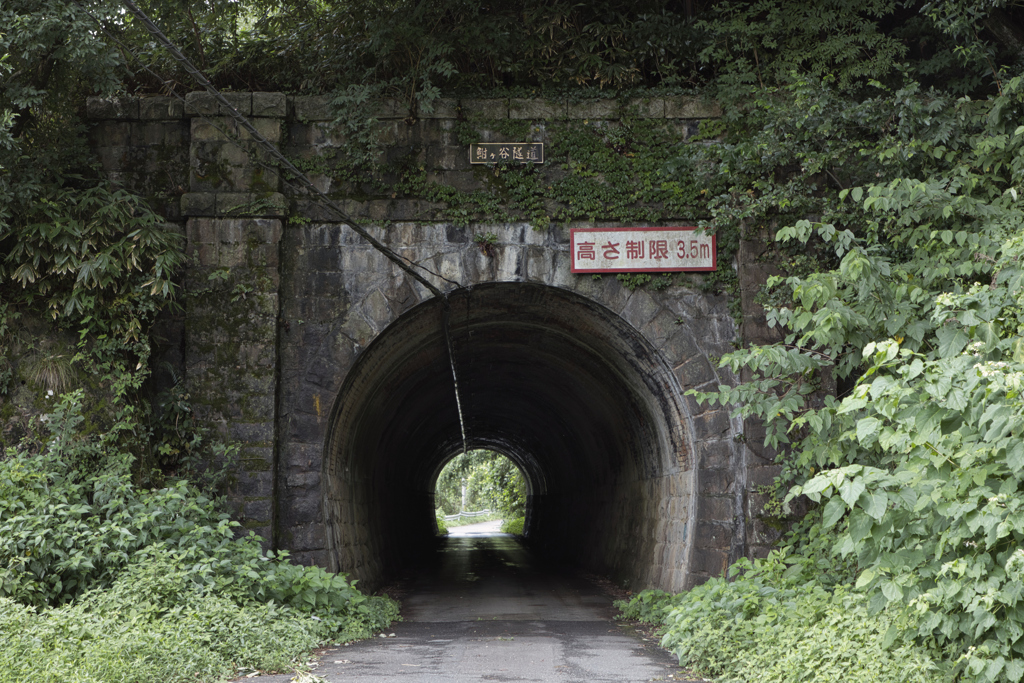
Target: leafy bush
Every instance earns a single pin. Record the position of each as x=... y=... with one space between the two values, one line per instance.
x=101 y=580
x=151 y=625
x=917 y=464
x=513 y=526
x=442 y=524
x=650 y=606
x=768 y=626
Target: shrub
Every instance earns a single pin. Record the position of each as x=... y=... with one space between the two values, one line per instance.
x=101 y=580
x=649 y=606
x=442 y=525
x=768 y=627
x=513 y=526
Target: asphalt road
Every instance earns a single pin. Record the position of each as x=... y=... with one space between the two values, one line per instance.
x=485 y=610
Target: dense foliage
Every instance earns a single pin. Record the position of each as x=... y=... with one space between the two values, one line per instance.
x=876 y=145
x=491 y=482
x=113 y=566
x=102 y=580
x=414 y=50
x=905 y=287
x=88 y=253
x=770 y=626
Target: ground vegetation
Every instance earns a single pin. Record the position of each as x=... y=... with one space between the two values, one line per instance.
x=875 y=146
x=117 y=561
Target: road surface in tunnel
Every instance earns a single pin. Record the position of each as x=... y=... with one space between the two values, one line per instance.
x=486 y=610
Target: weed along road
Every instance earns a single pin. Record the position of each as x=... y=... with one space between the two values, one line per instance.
x=484 y=610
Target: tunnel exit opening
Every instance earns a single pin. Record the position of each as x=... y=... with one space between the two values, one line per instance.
x=577 y=398
x=481 y=485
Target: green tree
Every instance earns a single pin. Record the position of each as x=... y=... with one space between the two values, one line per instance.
x=910 y=294
x=492 y=482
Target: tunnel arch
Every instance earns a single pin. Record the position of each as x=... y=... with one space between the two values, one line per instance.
x=563 y=386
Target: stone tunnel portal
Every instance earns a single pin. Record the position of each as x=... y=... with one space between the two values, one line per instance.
x=564 y=387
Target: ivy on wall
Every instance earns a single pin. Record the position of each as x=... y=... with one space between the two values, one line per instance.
x=625 y=170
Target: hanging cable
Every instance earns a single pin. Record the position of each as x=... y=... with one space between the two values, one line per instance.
x=446 y=324
x=403 y=263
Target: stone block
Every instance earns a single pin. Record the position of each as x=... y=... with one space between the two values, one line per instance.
x=715 y=482
x=710 y=562
x=205 y=254
x=304 y=427
x=301 y=457
x=254 y=482
x=303 y=480
x=486 y=109
x=303 y=538
x=594 y=109
x=228 y=231
x=537 y=109
x=251 y=204
x=679 y=346
x=714 y=534
x=640 y=308
x=442 y=109
x=762 y=476
x=647 y=108
x=198 y=204
x=390 y=108
x=717 y=508
x=456 y=234
x=266 y=231
x=308 y=108
x=303 y=507
x=660 y=328
x=211 y=130
x=714 y=455
x=267 y=127
x=111 y=134
x=121 y=108
x=252 y=432
x=712 y=424
x=165 y=134
x=270 y=104
x=260 y=510
x=695 y=372
x=464 y=181
x=114 y=158
x=691 y=108
x=540 y=264
x=449 y=158
x=205 y=104
x=161 y=108
x=318 y=558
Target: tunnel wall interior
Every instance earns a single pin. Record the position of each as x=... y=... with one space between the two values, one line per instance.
x=561 y=385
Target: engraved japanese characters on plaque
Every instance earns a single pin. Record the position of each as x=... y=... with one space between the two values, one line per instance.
x=506 y=152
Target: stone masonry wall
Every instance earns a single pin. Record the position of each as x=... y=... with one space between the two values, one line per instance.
x=282 y=300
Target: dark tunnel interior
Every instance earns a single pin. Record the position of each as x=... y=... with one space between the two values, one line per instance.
x=569 y=391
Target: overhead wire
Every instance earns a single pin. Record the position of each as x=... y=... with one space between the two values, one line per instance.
x=403 y=263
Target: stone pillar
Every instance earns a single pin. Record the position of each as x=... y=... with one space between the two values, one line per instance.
x=758 y=466
x=234 y=232
x=231 y=351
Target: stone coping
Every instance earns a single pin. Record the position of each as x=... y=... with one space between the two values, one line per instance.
x=308 y=108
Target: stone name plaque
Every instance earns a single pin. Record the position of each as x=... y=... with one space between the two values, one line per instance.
x=507 y=152
x=635 y=250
